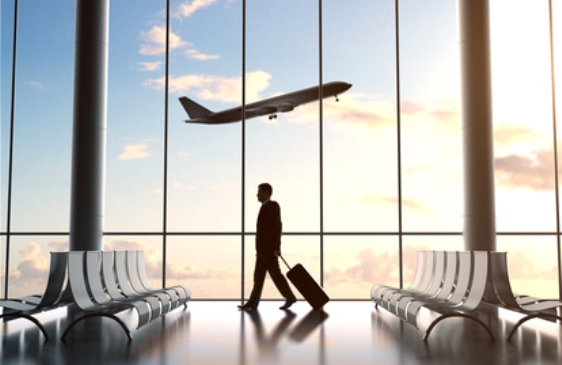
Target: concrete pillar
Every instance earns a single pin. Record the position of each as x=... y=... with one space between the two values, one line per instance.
x=89 y=129
x=476 y=125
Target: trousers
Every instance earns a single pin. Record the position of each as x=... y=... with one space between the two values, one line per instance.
x=268 y=263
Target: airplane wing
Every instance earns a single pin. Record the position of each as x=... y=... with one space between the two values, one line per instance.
x=258 y=112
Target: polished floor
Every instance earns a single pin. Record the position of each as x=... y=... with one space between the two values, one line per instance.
x=217 y=333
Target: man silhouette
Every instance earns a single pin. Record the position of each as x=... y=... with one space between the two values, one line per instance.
x=268 y=250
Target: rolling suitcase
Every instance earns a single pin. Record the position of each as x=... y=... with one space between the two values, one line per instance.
x=305 y=284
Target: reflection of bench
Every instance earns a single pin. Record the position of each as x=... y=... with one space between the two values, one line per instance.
x=498 y=292
x=54 y=295
x=102 y=287
x=447 y=285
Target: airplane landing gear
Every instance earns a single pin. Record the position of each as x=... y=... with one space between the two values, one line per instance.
x=273 y=116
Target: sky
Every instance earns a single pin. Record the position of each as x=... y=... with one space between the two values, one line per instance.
x=359 y=137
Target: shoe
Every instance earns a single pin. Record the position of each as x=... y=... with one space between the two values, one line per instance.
x=248 y=307
x=288 y=303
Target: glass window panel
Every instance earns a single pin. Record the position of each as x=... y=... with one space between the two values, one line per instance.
x=209 y=265
x=135 y=117
x=359 y=139
x=204 y=178
x=557 y=45
x=557 y=53
x=429 y=68
x=557 y=40
x=43 y=117
x=360 y=157
x=532 y=264
x=283 y=151
x=6 y=64
x=353 y=264
x=30 y=262
x=413 y=244
x=524 y=161
x=295 y=249
x=152 y=247
x=2 y=265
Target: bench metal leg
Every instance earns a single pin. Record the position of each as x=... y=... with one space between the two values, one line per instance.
x=449 y=315
x=119 y=321
x=529 y=317
x=30 y=318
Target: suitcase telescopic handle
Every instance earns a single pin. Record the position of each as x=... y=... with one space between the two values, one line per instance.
x=288 y=267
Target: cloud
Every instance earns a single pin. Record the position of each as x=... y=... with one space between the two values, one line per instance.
x=149 y=66
x=152 y=254
x=180 y=186
x=134 y=152
x=196 y=55
x=440 y=116
x=33 y=264
x=155 y=40
x=186 y=9
x=36 y=85
x=153 y=261
x=523 y=266
x=364 y=112
x=535 y=171
x=352 y=110
x=184 y=154
x=377 y=200
x=29 y=275
x=209 y=87
x=373 y=267
x=155 y=45
x=58 y=246
x=431 y=126
x=524 y=158
x=506 y=134
x=412 y=107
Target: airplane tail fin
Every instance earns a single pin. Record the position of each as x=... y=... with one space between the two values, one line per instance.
x=193 y=109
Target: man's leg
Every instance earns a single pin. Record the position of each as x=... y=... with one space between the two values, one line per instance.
x=272 y=265
x=259 y=278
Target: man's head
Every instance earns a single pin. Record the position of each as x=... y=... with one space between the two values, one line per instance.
x=264 y=192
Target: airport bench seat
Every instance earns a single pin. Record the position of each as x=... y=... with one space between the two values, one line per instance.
x=450 y=284
x=53 y=297
x=102 y=287
x=499 y=292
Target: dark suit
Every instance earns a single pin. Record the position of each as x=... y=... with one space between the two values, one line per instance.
x=268 y=240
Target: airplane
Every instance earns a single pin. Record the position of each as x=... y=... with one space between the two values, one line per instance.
x=282 y=103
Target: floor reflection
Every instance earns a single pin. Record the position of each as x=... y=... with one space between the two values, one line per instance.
x=267 y=341
x=97 y=340
x=464 y=339
x=308 y=324
x=217 y=333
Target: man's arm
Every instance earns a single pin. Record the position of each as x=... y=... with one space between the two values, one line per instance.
x=276 y=228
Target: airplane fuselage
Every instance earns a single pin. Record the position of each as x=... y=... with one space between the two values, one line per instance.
x=271 y=106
